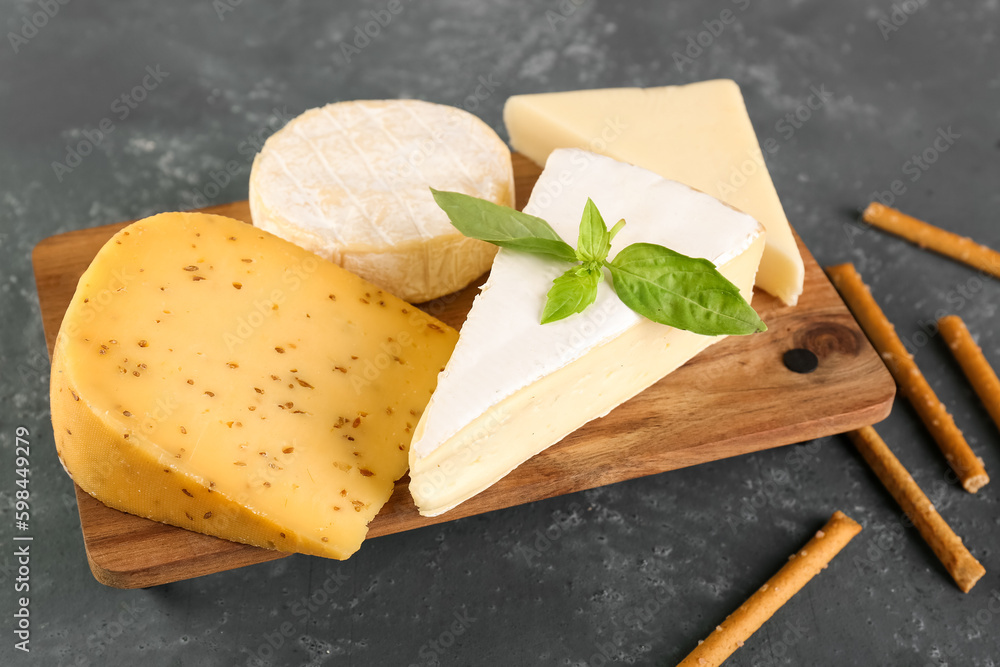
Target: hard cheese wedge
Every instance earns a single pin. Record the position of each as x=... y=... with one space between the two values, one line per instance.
x=513 y=387
x=698 y=134
x=212 y=376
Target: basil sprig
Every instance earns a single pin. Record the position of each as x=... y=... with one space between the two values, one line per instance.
x=658 y=283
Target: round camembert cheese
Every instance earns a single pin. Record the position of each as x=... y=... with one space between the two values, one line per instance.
x=351 y=182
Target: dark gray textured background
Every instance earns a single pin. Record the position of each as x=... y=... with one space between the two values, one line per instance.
x=641 y=570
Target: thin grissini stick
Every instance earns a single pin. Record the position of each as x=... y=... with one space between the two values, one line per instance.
x=970 y=357
x=779 y=589
x=925 y=235
x=947 y=546
x=911 y=381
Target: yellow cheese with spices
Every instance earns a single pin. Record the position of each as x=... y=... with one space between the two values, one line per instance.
x=212 y=376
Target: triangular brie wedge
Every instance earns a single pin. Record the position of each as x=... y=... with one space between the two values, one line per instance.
x=513 y=386
x=699 y=134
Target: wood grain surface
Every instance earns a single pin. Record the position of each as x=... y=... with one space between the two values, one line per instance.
x=736 y=397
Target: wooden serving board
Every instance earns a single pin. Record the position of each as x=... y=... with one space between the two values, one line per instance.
x=734 y=398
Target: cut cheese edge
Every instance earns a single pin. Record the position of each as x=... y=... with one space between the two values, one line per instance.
x=214 y=377
x=699 y=134
x=351 y=182
x=514 y=387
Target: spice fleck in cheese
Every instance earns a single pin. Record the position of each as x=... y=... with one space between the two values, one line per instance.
x=212 y=376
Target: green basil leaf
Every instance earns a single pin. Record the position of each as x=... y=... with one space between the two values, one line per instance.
x=595 y=239
x=502 y=226
x=571 y=293
x=680 y=291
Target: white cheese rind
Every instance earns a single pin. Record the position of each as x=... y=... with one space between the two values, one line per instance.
x=504 y=354
x=699 y=134
x=350 y=181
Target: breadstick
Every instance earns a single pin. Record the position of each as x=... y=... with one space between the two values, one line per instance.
x=928 y=236
x=970 y=357
x=947 y=546
x=779 y=589
x=911 y=381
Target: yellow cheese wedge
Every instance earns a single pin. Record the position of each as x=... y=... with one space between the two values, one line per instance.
x=698 y=134
x=212 y=376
